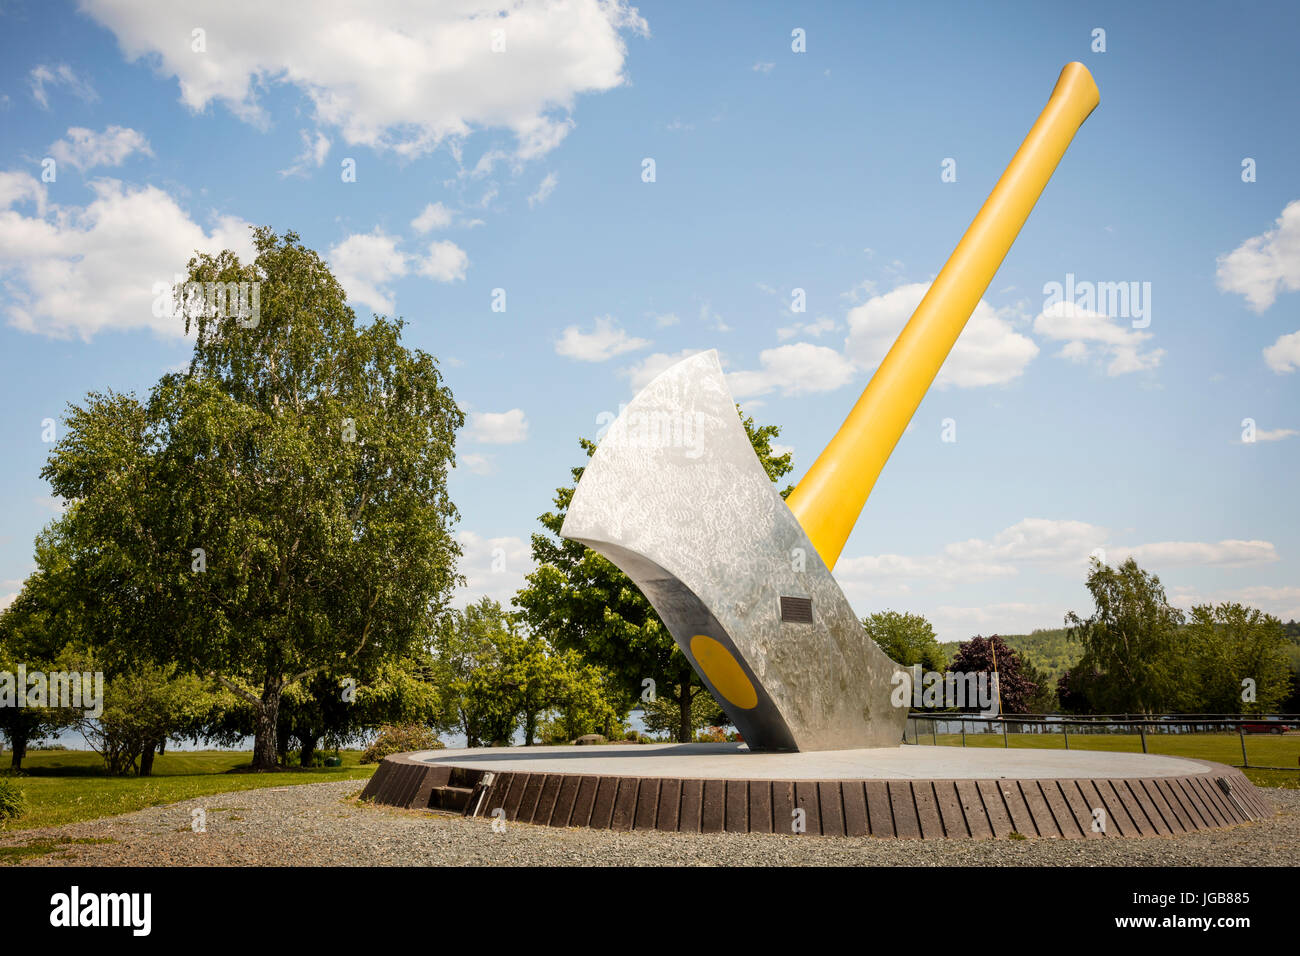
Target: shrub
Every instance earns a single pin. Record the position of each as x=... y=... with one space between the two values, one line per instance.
x=400 y=738
x=12 y=804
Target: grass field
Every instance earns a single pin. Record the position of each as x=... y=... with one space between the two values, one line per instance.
x=68 y=786
x=1266 y=750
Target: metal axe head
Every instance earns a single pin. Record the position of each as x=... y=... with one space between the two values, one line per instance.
x=677 y=499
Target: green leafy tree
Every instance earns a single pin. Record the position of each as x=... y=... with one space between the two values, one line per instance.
x=501 y=679
x=1230 y=644
x=907 y=638
x=578 y=600
x=22 y=636
x=277 y=510
x=548 y=680
x=664 y=715
x=145 y=707
x=761 y=437
x=586 y=707
x=473 y=651
x=1131 y=639
x=1076 y=689
x=1043 y=700
x=35 y=632
x=338 y=709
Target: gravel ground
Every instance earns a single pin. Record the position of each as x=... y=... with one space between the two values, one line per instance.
x=324 y=825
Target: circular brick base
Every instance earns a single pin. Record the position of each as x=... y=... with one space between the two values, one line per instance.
x=1126 y=796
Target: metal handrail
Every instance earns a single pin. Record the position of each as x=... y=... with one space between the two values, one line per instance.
x=1237 y=722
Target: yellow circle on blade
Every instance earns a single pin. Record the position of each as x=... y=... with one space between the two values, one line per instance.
x=724 y=672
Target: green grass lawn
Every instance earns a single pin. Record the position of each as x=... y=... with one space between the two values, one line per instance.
x=68 y=786
x=1263 y=749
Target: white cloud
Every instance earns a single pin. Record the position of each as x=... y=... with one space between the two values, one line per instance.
x=314 y=151
x=644 y=372
x=498 y=428
x=391 y=74
x=764 y=67
x=1267 y=264
x=712 y=319
x=814 y=328
x=1062 y=546
x=493 y=567
x=434 y=216
x=988 y=352
x=368 y=263
x=55 y=76
x=862 y=290
x=1284 y=354
x=1052 y=544
x=447 y=262
x=85 y=149
x=799 y=369
x=664 y=320
x=1273 y=434
x=1087 y=334
x=934 y=567
x=1282 y=602
x=476 y=464
x=1033 y=541
x=11 y=588
x=83 y=270
x=1223 y=554
x=22 y=188
x=604 y=342
x=544 y=190
x=365 y=264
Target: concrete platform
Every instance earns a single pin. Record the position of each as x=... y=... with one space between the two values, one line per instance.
x=735 y=762
x=896 y=792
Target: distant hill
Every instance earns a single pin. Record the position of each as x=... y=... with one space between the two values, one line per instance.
x=1049 y=648
x=1052 y=651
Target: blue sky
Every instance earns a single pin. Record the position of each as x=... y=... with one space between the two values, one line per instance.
x=775 y=170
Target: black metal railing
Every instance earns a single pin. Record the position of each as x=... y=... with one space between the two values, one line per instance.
x=926 y=728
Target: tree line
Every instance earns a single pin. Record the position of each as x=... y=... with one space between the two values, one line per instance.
x=1135 y=653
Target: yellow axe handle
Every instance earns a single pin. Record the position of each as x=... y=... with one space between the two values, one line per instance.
x=830 y=497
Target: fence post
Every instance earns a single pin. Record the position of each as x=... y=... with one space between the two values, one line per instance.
x=1005 y=743
x=963 y=732
x=1241 y=732
x=1066 y=729
x=934 y=731
x=1142 y=729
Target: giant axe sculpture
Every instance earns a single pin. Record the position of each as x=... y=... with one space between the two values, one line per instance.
x=676 y=498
